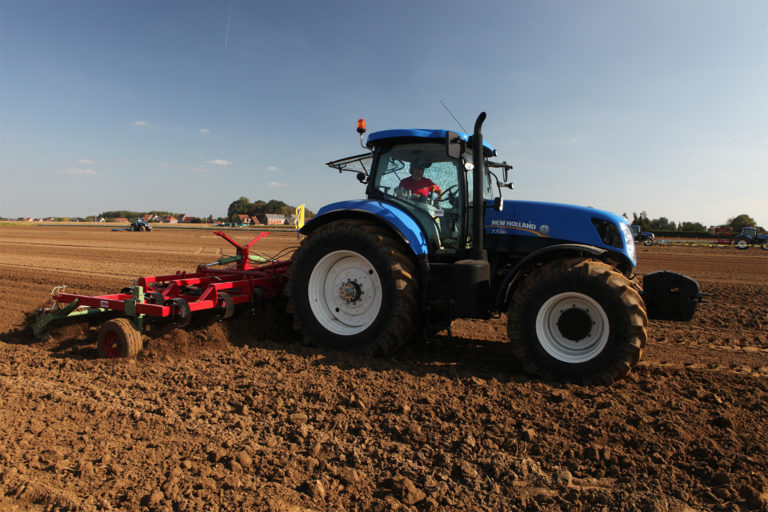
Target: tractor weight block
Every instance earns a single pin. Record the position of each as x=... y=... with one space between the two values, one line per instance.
x=670 y=296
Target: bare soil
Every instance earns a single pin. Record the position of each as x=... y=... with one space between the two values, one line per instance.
x=239 y=415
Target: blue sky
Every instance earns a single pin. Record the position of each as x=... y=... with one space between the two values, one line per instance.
x=186 y=106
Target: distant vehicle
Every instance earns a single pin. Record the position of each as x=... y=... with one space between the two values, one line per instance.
x=749 y=237
x=140 y=225
x=642 y=237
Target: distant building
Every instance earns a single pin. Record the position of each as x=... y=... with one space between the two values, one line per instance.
x=273 y=219
x=122 y=220
x=170 y=219
x=244 y=219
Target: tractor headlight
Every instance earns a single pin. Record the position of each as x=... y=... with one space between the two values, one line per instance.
x=629 y=241
x=617 y=235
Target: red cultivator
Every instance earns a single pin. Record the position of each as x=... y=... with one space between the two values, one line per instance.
x=173 y=297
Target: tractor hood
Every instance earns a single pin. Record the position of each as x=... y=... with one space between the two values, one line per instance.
x=553 y=223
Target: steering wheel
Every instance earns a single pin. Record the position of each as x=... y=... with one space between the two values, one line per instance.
x=448 y=194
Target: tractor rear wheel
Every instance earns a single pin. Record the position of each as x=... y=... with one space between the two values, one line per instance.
x=742 y=243
x=577 y=320
x=118 y=338
x=352 y=287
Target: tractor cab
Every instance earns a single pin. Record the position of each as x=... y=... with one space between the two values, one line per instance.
x=749 y=232
x=429 y=175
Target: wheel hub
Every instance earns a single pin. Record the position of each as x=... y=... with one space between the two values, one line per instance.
x=575 y=324
x=350 y=291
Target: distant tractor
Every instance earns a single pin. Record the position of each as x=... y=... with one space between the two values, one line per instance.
x=642 y=237
x=140 y=225
x=749 y=237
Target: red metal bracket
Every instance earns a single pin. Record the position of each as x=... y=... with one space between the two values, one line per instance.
x=242 y=250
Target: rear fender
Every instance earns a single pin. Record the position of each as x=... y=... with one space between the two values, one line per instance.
x=398 y=221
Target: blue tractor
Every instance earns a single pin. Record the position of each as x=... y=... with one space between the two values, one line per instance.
x=749 y=237
x=642 y=237
x=434 y=241
x=140 y=225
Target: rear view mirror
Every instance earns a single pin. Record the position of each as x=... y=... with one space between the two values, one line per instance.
x=454 y=145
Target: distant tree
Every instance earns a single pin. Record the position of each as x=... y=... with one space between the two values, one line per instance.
x=238 y=207
x=258 y=207
x=275 y=206
x=741 y=221
x=661 y=224
x=641 y=220
x=691 y=226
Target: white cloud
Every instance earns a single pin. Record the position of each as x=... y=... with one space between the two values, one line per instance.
x=219 y=161
x=84 y=161
x=76 y=171
x=204 y=130
x=142 y=123
x=276 y=184
x=272 y=168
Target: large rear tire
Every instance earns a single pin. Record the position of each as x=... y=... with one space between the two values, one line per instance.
x=352 y=287
x=742 y=243
x=577 y=320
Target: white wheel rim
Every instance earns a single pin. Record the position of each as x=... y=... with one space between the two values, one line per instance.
x=741 y=244
x=592 y=337
x=344 y=293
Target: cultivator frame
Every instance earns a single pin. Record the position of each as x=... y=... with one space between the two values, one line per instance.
x=175 y=297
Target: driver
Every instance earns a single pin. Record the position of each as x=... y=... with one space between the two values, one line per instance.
x=416 y=183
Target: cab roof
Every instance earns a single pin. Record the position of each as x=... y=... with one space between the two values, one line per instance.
x=377 y=138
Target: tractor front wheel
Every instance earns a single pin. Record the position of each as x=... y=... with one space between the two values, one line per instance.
x=577 y=320
x=118 y=338
x=352 y=287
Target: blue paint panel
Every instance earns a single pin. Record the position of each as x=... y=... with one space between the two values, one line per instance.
x=389 y=213
x=419 y=133
x=552 y=220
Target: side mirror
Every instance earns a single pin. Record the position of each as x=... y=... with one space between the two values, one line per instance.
x=454 y=145
x=498 y=204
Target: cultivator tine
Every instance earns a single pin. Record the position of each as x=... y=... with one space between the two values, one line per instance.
x=46 y=316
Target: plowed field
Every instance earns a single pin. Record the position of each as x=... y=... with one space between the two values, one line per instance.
x=240 y=416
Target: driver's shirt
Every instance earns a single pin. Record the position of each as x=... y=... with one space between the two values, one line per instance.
x=420 y=187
